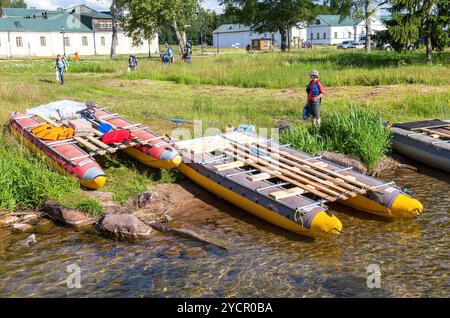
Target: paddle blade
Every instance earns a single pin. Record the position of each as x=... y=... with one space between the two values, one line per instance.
x=104 y=128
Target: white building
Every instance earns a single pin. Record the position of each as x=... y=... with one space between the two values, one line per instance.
x=331 y=30
x=37 y=32
x=228 y=35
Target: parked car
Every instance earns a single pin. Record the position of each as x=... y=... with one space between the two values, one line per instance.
x=356 y=45
x=345 y=44
x=362 y=39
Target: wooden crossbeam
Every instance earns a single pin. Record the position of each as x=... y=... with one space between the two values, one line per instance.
x=90 y=146
x=259 y=177
x=296 y=175
x=440 y=134
x=283 y=194
x=307 y=177
x=314 y=169
x=304 y=186
x=230 y=165
x=101 y=144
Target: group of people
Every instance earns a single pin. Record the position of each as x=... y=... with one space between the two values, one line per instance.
x=168 y=56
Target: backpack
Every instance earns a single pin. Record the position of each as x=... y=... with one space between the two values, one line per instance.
x=117 y=136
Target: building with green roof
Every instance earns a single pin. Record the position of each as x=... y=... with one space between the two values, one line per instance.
x=332 y=29
x=38 y=32
x=241 y=35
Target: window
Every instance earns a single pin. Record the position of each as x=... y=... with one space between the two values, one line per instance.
x=109 y=24
x=43 y=41
x=84 y=41
x=349 y=35
x=317 y=21
x=312 y=36
x=317 y=36
x=66 y=41
x=324 y=35
x=102 y=24
x=102 y=41
x=19 y=42
x=335 y=35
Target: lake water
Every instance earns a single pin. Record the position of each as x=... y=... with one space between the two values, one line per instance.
x=413 y=256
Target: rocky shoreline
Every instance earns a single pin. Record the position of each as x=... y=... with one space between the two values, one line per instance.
x=141 y=218
x=168 y=209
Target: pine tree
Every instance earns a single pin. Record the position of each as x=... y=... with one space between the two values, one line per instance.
x=420 y=19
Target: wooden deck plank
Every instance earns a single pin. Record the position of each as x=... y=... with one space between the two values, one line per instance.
x=307 y=178
x=283 y=194
x=230 y=165
x=259 y=177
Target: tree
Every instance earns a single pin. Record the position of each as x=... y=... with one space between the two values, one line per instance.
x=13 y=4
x=364 y=9
x=144 y=16
x=415 y=19
x=114 y=12
x=271 y=15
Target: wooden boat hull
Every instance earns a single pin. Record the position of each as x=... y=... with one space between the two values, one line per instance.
x=422 y=148
x=85 y=169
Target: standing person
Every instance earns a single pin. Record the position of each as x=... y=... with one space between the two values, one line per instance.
x=315 y=93
x=170 y=54
x=61 y=66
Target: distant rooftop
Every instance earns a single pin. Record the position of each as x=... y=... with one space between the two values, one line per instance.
x=32 y=19
x=335 y=20
x=230 y=28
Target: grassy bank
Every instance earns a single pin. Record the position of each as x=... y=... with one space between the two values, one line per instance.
x=259 y=89
x=358 y=132
x=27 y=181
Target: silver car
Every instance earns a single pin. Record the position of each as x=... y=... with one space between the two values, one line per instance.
x=345 y=44
x=356 y=45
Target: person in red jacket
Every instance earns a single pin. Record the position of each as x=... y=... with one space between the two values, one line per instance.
x=315 y=92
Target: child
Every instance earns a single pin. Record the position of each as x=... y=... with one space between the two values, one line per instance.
x=315 y=93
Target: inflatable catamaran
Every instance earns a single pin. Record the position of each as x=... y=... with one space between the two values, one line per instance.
x=277 y=183
x=74 y=153
x=287 y=187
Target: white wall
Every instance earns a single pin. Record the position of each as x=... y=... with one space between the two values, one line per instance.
x=54 y=44
x=334 y=35
x=342 y=32
x=226 y=40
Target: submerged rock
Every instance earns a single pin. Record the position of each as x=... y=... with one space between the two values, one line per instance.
x=149 y=200
x=30 y=240
x=20 y=227
x=7 y=220
x=124 y=226
x=67 y=216
x=189 y=234
x=32 y=217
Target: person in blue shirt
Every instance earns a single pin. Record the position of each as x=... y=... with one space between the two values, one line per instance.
x=61 y=66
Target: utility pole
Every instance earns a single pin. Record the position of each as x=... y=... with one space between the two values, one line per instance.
x=64 y=40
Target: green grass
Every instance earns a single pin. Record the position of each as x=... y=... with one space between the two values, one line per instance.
x=281 y=70
x=27 y=181
x=358 y=132
x=259 y=89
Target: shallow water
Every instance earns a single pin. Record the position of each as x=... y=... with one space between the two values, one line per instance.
x=413 y=256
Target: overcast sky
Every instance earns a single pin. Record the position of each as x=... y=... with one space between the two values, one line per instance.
x=95 y=4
